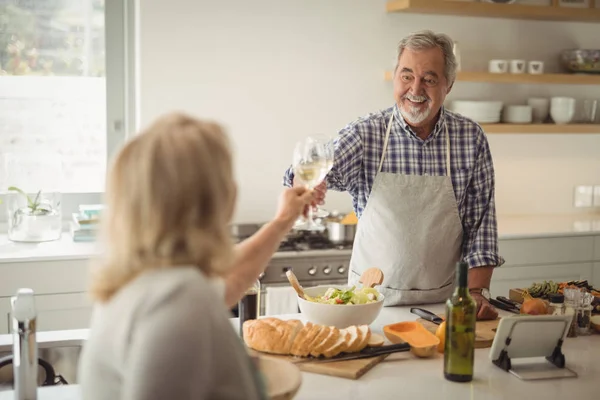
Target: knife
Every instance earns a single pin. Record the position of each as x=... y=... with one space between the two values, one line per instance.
x=503 y=306
x=427 y=315
x=512 y=303
x=365 y=353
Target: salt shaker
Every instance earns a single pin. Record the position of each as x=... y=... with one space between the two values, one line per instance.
x=584 y=314
x=557 y=304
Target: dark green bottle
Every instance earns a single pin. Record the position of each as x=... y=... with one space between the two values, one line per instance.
x=459 y=350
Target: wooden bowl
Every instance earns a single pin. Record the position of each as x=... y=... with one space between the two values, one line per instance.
x=283 y=378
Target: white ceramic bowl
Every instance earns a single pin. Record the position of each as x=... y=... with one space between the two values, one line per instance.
x=338 y=315
x=518 y=114
x=562 y=109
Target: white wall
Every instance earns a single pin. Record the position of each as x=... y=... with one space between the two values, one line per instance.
x=274 y=71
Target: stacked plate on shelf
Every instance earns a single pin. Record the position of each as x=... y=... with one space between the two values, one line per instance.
x=483 y=112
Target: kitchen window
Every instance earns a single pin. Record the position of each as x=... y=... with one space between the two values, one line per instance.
x=67 y=94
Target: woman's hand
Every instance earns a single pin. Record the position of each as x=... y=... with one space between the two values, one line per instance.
x=293 y=202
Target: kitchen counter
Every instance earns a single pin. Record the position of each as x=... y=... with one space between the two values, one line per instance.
x=527 y=226
x=404 y=376
x=509 y=227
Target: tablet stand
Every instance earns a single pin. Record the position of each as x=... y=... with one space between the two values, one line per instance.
x=557 y=358
x=553 y=364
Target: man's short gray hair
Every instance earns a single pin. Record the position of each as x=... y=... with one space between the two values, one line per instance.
x=427 y=39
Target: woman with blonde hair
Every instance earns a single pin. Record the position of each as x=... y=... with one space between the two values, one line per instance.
x=170 y=272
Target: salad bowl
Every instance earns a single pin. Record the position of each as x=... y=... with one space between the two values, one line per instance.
x=324 y=306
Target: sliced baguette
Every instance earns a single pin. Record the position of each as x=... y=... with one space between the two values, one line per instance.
x=341 y=344
x=310 y=337
x=321 y=336
x=264 y=336
x=376 y=340
x=355 y=339
x=300 y=339
x=287 y=331
x=332 y=337
x=365 y=336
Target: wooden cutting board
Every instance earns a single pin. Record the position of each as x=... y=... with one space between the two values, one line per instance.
x=516 y=295
x=349 y=369
x=484 y=331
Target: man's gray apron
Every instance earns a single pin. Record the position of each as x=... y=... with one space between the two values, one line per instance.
x=411 y=230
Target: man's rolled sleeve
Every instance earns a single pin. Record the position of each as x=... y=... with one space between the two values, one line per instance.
x=288 y=177
x=480 y=237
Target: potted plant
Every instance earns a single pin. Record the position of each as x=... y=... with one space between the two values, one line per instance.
x=33 y=217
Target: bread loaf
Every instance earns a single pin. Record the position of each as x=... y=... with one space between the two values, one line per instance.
x=271 y=335
x=292 y=337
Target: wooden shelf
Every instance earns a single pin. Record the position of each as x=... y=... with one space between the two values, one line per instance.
x=493 y=10
x=541 y=128
x=552 y=79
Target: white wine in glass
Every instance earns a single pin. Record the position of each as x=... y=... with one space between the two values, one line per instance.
x=311 y=173
x=310 y=167
x=329 y=157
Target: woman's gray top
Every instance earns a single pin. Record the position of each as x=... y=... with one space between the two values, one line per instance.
x=166 y=335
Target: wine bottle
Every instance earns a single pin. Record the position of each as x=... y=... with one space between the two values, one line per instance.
x=459 y=348
x=249 y=305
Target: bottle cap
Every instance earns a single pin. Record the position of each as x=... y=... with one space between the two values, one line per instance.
x=556 y=298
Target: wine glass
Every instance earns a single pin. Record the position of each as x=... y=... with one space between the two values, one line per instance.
x=328 y=146
x=310 y=168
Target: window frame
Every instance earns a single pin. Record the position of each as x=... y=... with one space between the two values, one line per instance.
x=122 y=112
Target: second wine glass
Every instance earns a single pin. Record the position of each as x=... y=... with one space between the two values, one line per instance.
x=310 y=168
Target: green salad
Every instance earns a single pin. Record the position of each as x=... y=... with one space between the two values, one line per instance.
x=350 y=296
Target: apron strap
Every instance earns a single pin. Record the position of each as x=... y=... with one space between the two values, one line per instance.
x=447 y=149
x=387 y=136
x=385 y=143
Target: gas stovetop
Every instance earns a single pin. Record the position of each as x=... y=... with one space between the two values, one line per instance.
x=297 y=240
x=306 y=240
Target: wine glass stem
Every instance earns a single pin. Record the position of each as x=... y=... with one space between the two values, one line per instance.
x=310 y=215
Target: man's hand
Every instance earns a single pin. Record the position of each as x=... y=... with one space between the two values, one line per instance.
x=485 y=311
x=318 y=192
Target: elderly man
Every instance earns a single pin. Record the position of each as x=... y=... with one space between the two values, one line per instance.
x=422 y=183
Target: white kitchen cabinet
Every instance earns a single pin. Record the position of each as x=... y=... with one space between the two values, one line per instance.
x=44 y=277
x=552 y=250
x=596 y=276
x=510 y=277
x=559 y=259
x=55 y=312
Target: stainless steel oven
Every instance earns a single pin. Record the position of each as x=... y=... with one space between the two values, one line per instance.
x=314 y=259
x=311 y=267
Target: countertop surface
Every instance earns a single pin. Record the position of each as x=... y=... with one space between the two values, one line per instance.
x=404 y=376
x=527 y=226
x=509 y=227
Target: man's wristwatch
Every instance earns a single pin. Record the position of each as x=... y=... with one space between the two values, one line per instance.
x=482 y=291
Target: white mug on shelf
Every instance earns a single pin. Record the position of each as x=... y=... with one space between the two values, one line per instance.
x=517 y=66
x=535 y=67
x=562 y=109
x=498 y=66
x=540 y=108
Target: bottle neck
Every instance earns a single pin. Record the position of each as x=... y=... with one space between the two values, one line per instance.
x=462 y=278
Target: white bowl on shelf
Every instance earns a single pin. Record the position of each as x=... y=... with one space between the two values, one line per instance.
x=479 y=111
x=562 y=109
x=517 y=114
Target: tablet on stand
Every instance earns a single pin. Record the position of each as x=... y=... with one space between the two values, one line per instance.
x=530 y=346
